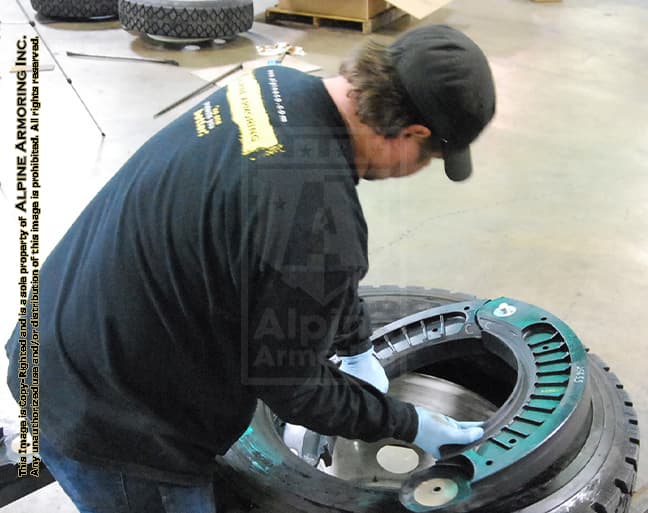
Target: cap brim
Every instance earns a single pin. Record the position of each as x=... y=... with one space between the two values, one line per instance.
x=458 y=164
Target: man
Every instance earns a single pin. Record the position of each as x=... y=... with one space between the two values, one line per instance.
x=221 y=264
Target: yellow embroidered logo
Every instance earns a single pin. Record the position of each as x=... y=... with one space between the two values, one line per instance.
x=248 y=112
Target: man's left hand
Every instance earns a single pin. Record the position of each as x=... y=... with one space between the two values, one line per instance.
x=365 y=366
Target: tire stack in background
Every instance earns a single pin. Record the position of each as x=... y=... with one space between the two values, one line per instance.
x=76 y=9
x=173 y=19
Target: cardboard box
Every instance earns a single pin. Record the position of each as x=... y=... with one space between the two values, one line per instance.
x=419 y=8
x=359 y=9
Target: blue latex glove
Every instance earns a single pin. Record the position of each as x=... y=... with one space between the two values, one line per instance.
x=367 y=368
x=435 y=430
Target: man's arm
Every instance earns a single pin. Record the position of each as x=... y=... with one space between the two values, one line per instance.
x=354 y=330
x=291 y=330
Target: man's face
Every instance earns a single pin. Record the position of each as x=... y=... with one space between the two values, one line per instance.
x=397 y=157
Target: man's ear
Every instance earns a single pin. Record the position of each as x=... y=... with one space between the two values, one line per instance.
x=416 y=131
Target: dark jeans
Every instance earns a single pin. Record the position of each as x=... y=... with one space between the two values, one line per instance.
x=95 y=490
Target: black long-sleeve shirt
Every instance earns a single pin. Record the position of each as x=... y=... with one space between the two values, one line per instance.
x=219 y=266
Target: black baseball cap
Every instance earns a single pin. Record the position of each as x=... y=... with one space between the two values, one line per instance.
x=449 y=82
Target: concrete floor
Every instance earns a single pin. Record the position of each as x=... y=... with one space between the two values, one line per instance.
x=556 y=213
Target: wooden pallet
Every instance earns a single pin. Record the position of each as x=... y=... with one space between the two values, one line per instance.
x=274 y=14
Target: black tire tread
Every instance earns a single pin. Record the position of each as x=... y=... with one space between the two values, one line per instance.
x=75 y=9
x=207 y=22
x=450 y=296
x=616 y=493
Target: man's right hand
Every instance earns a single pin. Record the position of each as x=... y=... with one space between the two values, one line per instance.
x=435 y=430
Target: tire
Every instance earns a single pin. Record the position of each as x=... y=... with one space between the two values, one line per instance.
x=190 y=19
x=76 y=9
x=598 y=477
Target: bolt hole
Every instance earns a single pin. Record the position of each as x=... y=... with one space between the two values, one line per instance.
x=489 y=462
x=545 y=347
x=466 y=308
x=543 y=318
x=512 y=441
x=437 y=488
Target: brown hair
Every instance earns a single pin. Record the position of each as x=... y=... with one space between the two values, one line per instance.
x=381 y=100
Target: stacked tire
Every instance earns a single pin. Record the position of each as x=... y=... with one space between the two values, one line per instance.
x=195 y=19
x=175 y=19
x=76 y=9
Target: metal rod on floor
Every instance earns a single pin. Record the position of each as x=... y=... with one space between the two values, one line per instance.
x=65 y=75
x=120 y=58
x=201 y=89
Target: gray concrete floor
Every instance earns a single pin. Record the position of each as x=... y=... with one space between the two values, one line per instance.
x=556 y=213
